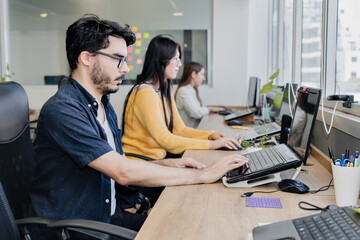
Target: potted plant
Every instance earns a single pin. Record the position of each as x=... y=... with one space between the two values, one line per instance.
x=8 y=75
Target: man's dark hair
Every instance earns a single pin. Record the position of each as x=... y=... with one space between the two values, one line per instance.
x=90 y=33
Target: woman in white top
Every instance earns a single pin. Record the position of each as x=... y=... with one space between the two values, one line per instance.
x=187 y=96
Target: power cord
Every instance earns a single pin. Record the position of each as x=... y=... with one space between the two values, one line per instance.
x=314 y=207
x=323 y=188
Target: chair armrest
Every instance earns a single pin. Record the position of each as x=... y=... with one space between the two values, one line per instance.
x=72 y=224
x=34 y=220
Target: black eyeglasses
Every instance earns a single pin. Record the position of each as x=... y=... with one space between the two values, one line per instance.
x=122 y=60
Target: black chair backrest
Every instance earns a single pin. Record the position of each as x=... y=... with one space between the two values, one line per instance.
x=8 y=228
x=16 y=148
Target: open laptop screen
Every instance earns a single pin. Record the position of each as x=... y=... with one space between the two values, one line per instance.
x=303 y=121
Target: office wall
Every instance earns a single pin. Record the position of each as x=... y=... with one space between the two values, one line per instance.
x=229 y=76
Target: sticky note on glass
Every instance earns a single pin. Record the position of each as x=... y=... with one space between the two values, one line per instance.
x=138 y=43
x=139 y=61
x=146 y=35
x=137 y=51
x=263 y=202
x=131 y=67
x=129 y=58
x=138 y=35
x=134 y=29
x=130 y=50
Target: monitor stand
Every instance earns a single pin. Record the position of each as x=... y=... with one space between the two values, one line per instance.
x=274 y=177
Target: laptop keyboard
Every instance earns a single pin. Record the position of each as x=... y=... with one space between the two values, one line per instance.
x=270 y=157
x=263 y=129
x=327 y=225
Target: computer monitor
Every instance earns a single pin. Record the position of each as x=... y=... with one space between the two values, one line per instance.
x=303 y=122
x=288 y=105
x=253 y=93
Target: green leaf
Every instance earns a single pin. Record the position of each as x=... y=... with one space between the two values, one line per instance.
x=268 y=87
x=275 y=74
x=8 y=76
x=8 y=67
x=278 y=100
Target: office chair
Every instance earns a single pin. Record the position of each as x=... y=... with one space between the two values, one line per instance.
x=16 y=149
x=16 y=170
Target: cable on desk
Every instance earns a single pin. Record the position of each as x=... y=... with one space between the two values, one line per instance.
x=314 y=207
x=323 y=188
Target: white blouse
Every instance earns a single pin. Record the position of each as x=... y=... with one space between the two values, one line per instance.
x=189 y=106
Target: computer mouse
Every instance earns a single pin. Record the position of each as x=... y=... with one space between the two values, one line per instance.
x=225 y=112
x=235 y=123
x=293 y=186
x=228 y=149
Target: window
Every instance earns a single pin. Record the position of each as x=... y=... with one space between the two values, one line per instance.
x=348 y=39
x=311 y=43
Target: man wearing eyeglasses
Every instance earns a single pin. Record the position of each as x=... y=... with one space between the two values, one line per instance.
x=78 y=143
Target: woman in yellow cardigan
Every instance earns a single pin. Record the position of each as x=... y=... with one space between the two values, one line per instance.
x=151 y=123
x=152 y=127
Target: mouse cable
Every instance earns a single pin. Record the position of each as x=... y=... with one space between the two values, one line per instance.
x=323 y=188
x=248 y=194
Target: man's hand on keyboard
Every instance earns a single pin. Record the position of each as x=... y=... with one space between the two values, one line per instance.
x=223 y=165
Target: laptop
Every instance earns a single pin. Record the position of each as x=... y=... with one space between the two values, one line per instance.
x=284 y=156
x=252 y=100
x=274 y=127
x=337 y=223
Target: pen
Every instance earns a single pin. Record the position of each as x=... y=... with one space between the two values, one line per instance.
x=331 y=154
x=347 y=152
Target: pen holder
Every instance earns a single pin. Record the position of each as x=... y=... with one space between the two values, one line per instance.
x=265 y=112
x=346 y=184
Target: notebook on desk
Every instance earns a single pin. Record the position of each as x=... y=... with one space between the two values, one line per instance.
x=284 y=156
x=274 y=127
x=339 y=223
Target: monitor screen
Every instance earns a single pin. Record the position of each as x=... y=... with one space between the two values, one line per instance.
x=286 y=105
x=270 y=98
x=303 y=120
x=252 y=94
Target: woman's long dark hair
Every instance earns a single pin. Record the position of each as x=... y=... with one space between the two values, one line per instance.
x=186 y=78
x=158 y=55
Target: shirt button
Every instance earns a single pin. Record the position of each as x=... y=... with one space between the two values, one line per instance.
x=95 y=103
x=107 y=200
x=89 y=105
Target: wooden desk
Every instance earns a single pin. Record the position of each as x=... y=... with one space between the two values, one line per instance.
x=213 y=211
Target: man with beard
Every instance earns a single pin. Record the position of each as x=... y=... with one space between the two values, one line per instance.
x=78 y=145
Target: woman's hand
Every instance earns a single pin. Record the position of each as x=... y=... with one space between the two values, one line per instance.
x=215 y=109
x=216 y=135
x=230 y=143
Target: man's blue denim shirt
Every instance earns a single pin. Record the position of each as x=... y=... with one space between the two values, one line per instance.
x=68 y=138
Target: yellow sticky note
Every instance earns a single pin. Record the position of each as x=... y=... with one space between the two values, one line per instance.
x=137 y=51
x=138 y=43
x=131 y=67
x=138 y=35
x=241 y=128
x=146 y=35
x=134 y=29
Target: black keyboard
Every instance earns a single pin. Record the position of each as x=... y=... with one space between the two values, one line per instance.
x=336 y=224
x=264 y=129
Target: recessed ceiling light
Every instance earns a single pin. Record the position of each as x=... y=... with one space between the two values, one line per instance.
x=176 y=14
x=43 y=15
